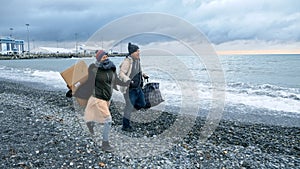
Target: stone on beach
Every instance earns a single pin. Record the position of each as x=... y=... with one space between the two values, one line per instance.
x=42 y=129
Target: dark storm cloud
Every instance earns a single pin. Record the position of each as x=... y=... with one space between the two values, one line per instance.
x=52 y=20
x=220 y=20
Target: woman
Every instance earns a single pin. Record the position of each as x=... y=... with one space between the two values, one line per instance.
x=97 y=109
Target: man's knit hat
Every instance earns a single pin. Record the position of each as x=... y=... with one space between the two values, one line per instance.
x=132 y=48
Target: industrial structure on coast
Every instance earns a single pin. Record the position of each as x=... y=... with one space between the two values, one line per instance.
x=11 y=48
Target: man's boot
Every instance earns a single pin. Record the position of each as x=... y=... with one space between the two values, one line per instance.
x=126 y=125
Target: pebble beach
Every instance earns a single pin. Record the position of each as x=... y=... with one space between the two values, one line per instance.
x=42 y=129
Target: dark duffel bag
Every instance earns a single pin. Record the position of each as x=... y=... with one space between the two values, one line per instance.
x=152 y=94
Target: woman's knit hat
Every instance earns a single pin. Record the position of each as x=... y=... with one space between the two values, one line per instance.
x=100 y=54
x=132 y=48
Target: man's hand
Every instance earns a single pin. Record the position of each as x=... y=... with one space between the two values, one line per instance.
x=128 y=82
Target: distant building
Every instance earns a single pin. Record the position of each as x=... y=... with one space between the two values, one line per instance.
x=9 y=46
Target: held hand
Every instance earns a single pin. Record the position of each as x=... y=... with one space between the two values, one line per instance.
x=128 y=82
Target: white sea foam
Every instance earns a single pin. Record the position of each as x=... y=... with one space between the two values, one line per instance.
x=263 y=101
x=49 y=77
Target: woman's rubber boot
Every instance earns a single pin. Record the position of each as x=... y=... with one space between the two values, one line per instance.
x=106 y=147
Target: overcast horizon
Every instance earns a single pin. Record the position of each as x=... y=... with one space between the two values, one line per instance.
x=230 y=25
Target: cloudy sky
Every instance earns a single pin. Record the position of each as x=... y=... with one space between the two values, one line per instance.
x=228 y=24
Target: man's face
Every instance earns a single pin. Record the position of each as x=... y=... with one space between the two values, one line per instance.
x=136 y=54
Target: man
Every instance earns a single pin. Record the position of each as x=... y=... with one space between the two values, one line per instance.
x=131 y=71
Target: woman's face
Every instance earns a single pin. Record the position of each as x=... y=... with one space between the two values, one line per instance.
x=104 y=58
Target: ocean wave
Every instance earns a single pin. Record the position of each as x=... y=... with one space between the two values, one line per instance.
x=50 y=78
x=264 y=96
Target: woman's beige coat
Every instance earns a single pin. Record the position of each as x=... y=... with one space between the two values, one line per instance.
x=97 y=110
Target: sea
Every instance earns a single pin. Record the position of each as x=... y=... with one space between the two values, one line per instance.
x=257 y=88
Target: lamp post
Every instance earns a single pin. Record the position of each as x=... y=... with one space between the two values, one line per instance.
x=28 y=39
x=33 y=46
x=76 y=34
x=11 y=34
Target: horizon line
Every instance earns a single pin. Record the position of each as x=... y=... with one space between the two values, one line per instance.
x=256 y=52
